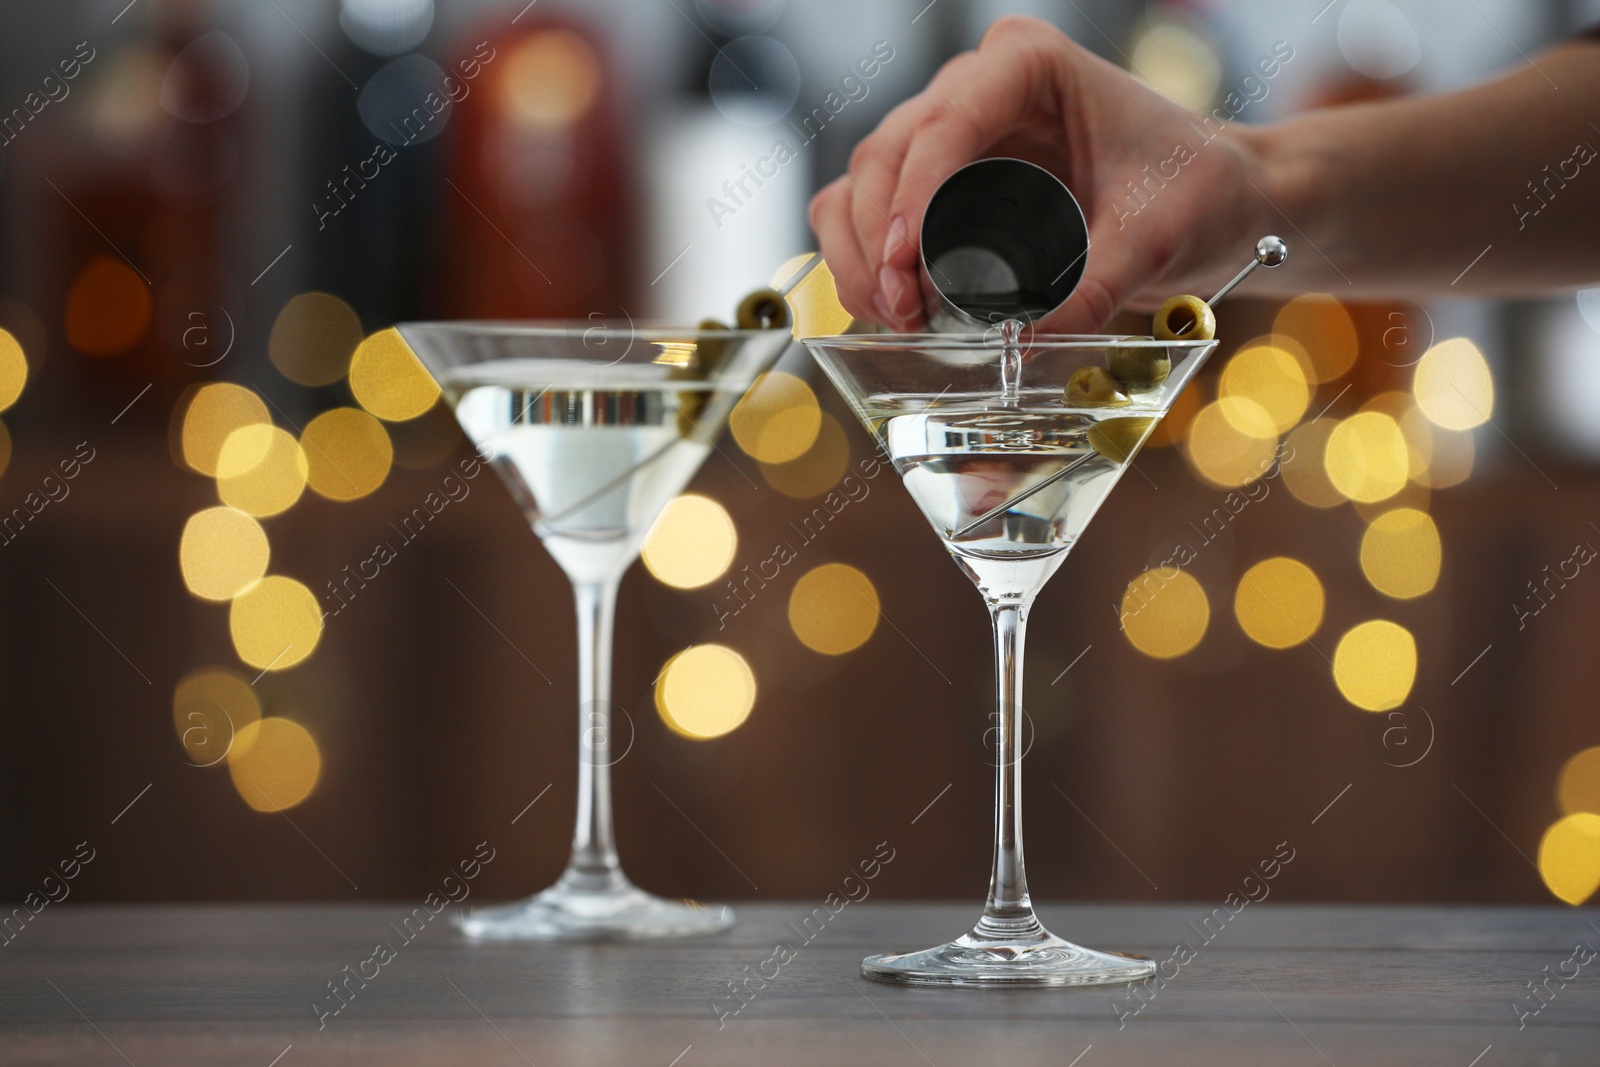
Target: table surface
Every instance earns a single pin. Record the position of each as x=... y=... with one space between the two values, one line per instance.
x=1273 y=984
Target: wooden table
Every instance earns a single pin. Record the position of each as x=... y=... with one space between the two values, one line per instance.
x=1285 y=984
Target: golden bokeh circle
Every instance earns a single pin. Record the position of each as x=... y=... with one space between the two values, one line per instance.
x=691 y=543
x=108 y=308
x=1401 y=553
x=348 y=453
x=389 y=380
x=261 y=470
x=1375 y=665
x=818 y=469
x=814 y=304
x=1279 y=602
x=1165 y=613
x=313 y=338
x=777 y=420
x=1366 y=457
x=214 y=413
x=1453 y=385
x=1272 y=378
x=1219 y=453
x=275 y=764
x=222 y=552
x=275 y=623
x=1578 y=784
x=705 y=691
x=210 y=707
x=833 y=609
x=1569 y=857
x=1324 y=330
x=13 y=369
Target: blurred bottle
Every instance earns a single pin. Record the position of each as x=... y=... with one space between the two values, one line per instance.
x=537 y=204
x=145 y=168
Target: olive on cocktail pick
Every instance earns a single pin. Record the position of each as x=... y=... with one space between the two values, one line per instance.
x=764 y=309
x=1092 y=387
x=1117 y=439
x=1184 y=318
x=1138 y=369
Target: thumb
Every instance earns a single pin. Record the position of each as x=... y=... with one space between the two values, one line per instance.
x=1115 y=270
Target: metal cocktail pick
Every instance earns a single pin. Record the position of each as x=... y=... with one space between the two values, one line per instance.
x=1270 y=252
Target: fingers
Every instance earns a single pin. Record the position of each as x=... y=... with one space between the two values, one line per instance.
x=976 y=99
x=836 y=236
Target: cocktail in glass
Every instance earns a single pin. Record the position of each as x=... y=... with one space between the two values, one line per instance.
x=1009 y=443
x=593 y=428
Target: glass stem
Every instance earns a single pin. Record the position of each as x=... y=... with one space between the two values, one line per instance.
x=1009 y=911
x=594 y=866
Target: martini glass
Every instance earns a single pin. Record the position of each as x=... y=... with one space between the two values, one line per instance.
x=593 y=427
x=1009 y=445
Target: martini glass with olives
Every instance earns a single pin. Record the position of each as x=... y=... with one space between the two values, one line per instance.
x=594 y=427
x=1009 y=442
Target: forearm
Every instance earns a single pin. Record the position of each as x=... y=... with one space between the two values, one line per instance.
x=1494 y=190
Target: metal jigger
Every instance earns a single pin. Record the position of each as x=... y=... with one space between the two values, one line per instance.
x=1001 y=239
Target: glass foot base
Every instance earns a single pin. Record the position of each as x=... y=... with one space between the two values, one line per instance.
x=561 y=913
x=1041 y=959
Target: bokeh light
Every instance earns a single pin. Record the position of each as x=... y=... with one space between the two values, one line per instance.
x=313 y=338
x=1401 y=553
x=261 y=470
x=275 y=763
x=1453 y=386
x=1375 y=665
x=1222 y=455
x=1366 y=457
x=691 y=544
x=1578 y=784
x=222 y=553
x=275 y=623
x=1279 y=602
x=108 y=308
x=1274 y=380
x=1414 y=427
x=833 y=609
x=213 y=414
x=210 y=707
x=551 y=80
x=348 y=453
x=777 y=420
x=1569 y=857
x=1324 y=330
x=1165 y=613
x=13 y=369
x=705 y=691
x=388 y=379
x=813 y=302
x=427 y=440
x=1181 y=64
x=1450 y=454
x=1305 y=472
x=818 y=469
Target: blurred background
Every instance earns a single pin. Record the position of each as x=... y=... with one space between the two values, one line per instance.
x=210 y=214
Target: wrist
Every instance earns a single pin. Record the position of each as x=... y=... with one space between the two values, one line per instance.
x=1279 y=164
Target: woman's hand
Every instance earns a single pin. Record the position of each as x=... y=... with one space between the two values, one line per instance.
x=1168 y=194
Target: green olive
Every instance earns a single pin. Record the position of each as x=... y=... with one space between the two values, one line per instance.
x=1138 y=370
x=1118 y=439
x=764 y=309
x=1185 y=318
x=1093 y=387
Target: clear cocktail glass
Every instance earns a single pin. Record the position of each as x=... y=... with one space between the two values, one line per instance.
x=594 y=427
x=1009 y=443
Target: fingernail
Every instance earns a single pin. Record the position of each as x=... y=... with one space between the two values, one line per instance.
x=894 y=288
x=895 y=237
x=885 y=316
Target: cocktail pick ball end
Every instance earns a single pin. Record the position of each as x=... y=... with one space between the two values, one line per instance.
x=1271 y=251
